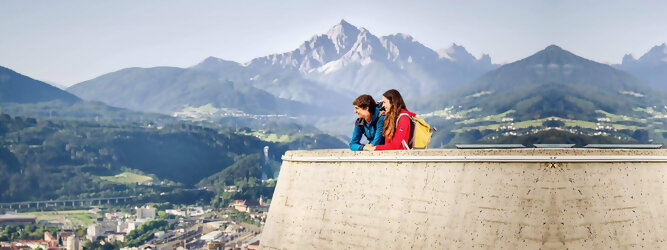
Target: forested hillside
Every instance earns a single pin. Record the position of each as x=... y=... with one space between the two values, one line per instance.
x=52 y=159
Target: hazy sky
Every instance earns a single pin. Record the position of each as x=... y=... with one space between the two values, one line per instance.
x=66 y=42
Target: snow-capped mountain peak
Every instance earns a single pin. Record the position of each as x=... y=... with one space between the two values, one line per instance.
x=366 y=48
x=351 y=59
x=456 y=53
x=405 y=47
x=343 y=35
x=657 y=54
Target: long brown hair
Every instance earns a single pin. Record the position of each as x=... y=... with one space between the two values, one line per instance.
x=396 y=101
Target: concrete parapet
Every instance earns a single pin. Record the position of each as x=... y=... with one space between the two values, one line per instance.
x=463 y=199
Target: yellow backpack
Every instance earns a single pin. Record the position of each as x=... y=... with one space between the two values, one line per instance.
x=420 y=133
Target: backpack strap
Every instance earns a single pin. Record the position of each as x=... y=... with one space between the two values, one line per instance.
x=411 y=136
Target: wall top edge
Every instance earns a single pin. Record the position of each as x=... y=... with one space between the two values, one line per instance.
x=482 y=155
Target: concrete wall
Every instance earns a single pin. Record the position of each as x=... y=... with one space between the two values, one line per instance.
x=462 y=199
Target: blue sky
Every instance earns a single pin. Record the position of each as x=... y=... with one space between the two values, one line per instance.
x=67 y=42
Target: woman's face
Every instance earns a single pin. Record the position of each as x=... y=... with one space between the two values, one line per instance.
x=386 y=104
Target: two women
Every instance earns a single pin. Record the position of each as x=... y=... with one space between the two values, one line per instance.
x=395 y=132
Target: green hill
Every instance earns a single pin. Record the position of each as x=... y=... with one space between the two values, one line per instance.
x=17 y=88
x=552 y=82
x=51 y=159
x=23 y=96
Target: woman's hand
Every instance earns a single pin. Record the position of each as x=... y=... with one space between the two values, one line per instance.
x=369 y=147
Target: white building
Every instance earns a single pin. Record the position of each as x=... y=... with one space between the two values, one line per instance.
x=126 y=226
x=231 y=189
x=72 y=243
x=114 y=216
x=176 y=212
x=145 y=213
x=197 y=211
x=99 y=229
x=116 y=237
x=215 y=236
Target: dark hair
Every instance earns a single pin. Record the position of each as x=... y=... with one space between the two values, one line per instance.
x=365 y=101
x=397 y=104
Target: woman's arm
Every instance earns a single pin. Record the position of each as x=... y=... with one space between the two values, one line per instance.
x=402 y=132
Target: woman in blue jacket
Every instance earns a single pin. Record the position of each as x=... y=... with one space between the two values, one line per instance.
x=369 y=123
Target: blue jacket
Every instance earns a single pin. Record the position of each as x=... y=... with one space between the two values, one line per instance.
x=372 y=131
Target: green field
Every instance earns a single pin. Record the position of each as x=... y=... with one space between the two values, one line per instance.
x=465 y=112
x=270 y=137
x=495 y=118
x=630 y=127
x=526 y=124
x=613 y=117
x=77 y=217
x=127 y=178
x=583 y=124
x=480 y=128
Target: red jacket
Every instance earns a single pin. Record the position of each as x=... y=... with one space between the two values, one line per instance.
x=402 y=133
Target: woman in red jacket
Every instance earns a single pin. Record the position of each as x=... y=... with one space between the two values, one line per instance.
x=394 y=134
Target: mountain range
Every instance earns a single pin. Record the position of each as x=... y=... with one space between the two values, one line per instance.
x=650 y=67
x=551 y=88
x=104 y=126
x=321 y=77
x=170 y=89
x=323 y=72
x=553 y=82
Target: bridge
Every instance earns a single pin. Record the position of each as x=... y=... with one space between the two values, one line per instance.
x=65 y=203
x=534 y=198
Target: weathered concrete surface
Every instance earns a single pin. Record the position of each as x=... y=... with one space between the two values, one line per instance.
x=464 y=205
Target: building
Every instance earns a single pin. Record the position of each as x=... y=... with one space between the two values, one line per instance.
x=28 y=244
x=261 y=208
x=126 y=226
x=62 y=237
x=215 y=245
x=72 y=243
x=240 y=205
x=99 y=229
x=145 y=213
x=17 y=219
x=52 y=241
x=231 y=189
x=214 y=225
x=197 y=211
x=214 y=239
x=114 y=216
x=111 y=237
x=176 y=212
